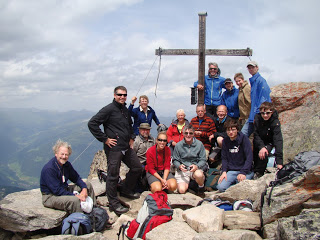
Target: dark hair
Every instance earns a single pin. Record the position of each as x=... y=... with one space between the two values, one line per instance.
x=121 y=88
x=267 y=105
x=230 y=123
x=188 y=127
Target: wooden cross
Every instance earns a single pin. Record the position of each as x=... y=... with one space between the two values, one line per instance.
x=202 y=52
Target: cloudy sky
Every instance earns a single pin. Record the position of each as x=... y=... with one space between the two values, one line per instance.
x=70 y=54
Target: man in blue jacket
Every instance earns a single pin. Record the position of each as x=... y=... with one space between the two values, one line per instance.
x=56 y=193
x=213 y=88
x=230 y=99
x=236 y=155
x=260 y=92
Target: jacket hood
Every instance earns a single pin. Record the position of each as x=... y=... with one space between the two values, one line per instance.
x=175 y=122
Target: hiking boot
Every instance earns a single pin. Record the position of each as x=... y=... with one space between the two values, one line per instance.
x=119 y=210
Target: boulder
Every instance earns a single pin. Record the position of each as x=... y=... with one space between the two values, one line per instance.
x=299 y=106
x=171 y=231
x=183 y=201
x=228 y=235
x=287 y=199
x=242 y=220
x=203 y=218
x=304 y=226
x=98 y=187
x=247 y=190
x=23 y=211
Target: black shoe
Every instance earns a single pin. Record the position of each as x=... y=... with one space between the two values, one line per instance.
x=119 y=210
x=200 y=192
x=130 y=195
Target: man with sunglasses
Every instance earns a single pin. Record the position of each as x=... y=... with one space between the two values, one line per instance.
x=260 y=92
x=213 y=84
x=117 y=138
x=267 y=134
x=189 y=157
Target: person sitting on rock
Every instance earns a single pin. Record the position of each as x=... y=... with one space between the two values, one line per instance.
x=189 y=158
x=56 y=193
x=267 y=134
x=174 y=131
x=236 y=155
x=158 y=166
x=142 y=114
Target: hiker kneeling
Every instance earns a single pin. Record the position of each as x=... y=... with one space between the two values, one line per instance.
x=236 y=156
x=158 y=166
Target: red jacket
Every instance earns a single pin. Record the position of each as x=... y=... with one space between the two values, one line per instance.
x=173 y=133
x=207 y=127
x=155 y=164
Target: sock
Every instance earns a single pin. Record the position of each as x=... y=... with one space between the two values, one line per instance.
x=201 y=186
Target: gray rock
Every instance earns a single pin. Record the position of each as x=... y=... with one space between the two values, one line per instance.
x=269 y=230
x=91 y=236
x=171 y=231
x=304 y=226
x=204 y=218
x=183 y=201
x=98 y=187
x=287 y=199
x=228 y=235
x=242 y=220
x=23 y=211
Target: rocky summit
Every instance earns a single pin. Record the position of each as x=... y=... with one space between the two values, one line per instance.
x=287 y=211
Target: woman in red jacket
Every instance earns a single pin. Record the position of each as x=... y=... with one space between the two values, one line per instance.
x=174 y=131
x=158 y=166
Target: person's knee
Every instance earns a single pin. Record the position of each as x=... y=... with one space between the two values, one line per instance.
x=172 y=185
x=221 y=187
x=155 y=186
x=73 y=205
x=182 y=188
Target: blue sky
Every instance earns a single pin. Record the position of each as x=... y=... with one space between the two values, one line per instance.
x=70 y=54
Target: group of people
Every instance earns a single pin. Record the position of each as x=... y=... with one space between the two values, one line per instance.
x=183 y=152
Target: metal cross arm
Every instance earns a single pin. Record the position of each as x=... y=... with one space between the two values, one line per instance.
x=216 y=52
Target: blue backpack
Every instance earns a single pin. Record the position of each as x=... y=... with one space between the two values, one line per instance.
x=76 y=224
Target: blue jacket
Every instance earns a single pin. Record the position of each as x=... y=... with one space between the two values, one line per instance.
x=213 y=90
x=230 y=100
x=139 y=117
x=260 y=92
x=237 y=155
x=51 y=178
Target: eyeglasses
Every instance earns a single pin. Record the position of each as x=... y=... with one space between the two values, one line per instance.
x=121 y=94
x=265 y=113
x=213 y=69
x=162 y=140
x=188 y=133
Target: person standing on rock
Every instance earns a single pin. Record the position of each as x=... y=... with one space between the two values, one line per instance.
x=236 y=156
x=117 y=138
x=56 y=193
x=189 y=158
x=267 y=134
x=260 y=92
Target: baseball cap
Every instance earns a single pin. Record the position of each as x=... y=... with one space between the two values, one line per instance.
x=227 y=80
x=252 y=63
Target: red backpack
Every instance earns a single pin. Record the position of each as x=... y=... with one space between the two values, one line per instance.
x=154 y=211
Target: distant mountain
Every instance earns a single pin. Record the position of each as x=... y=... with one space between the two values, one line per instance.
x=27 y=137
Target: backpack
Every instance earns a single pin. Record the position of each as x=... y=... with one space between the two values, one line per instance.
x=154 y=211
x=225 y=205
x=98 y=218
x=212 y=177
x=76 y=224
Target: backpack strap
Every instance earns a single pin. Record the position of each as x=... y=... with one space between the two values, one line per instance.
x=122 y=229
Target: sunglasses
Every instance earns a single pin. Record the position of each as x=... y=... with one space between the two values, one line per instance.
x=188 y=133
x=213 y=68
x=265 y=113
x=162 y=140
x=121 y=95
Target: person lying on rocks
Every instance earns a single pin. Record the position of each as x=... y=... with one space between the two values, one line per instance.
x=189 y=157
x=158 y=166
x=236 y=155
x=267 y=134
x=56 y=193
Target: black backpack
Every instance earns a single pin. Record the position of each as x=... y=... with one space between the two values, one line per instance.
x=99 y=219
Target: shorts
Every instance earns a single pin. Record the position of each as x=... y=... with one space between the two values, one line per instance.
x=151 y=179
x=184 y=177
